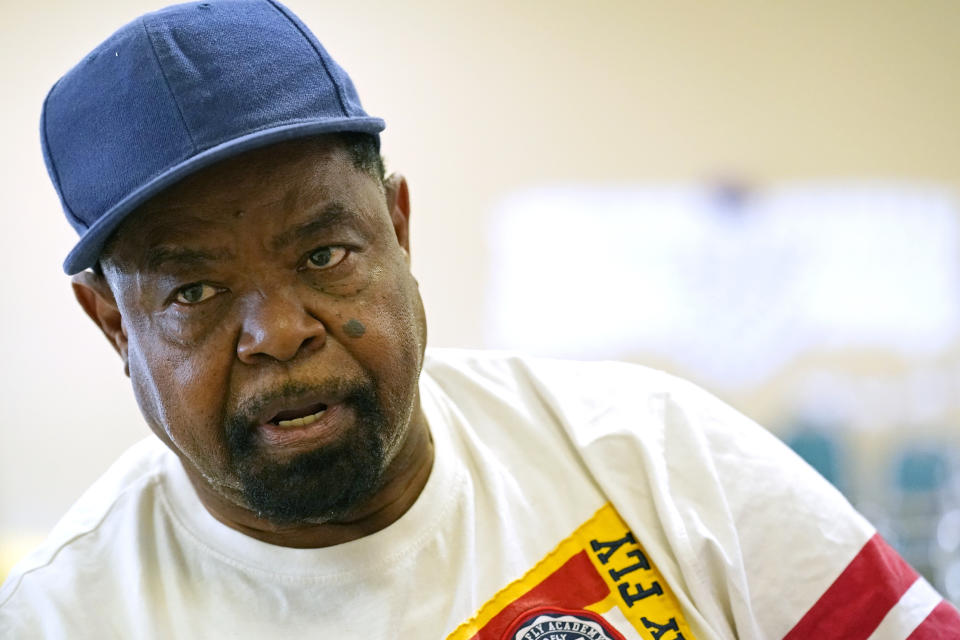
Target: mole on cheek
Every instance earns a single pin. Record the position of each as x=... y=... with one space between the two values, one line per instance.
x=354 y=328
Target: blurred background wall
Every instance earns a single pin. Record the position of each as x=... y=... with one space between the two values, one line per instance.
x=488 y=103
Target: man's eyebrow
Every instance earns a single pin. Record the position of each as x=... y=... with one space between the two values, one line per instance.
x=330 y=216
x=161 y=256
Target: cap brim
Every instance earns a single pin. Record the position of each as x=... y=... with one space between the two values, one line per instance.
x=87 y=250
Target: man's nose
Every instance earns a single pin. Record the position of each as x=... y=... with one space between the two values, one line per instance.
x=278 y=326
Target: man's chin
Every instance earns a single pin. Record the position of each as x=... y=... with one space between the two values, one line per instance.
x=318 y=471
x=314 y=487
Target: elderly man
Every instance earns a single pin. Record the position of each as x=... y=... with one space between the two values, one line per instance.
x=314 y=470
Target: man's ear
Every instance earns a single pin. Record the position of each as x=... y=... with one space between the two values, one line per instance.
x=398 y=204
x=94 y=295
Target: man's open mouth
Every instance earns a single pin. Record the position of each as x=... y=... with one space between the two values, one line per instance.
x=299 y=417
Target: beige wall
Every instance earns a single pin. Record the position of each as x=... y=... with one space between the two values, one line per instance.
x=480 y=99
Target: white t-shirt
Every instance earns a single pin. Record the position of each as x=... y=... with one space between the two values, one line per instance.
x=567 y=500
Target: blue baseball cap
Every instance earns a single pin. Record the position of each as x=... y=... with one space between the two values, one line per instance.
x=178 y=90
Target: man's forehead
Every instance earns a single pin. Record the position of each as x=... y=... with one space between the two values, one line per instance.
x=183 y=237
x=178 y=219
x=260 y=178
x=292 y=183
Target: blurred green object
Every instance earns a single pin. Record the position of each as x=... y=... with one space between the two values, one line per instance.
x=920 y=502
x=922 y=470
x=820 y=450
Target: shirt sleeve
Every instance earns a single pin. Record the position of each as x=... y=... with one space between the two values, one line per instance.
x=812 y=566
x=756 y=543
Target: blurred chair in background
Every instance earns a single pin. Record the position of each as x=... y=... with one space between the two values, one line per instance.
x=822 y=450
x=924 y=517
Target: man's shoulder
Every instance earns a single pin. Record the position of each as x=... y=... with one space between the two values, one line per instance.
x=592 y=376
x=717 y=500
x=611 y=410
x=581 y=391
x=88 y=532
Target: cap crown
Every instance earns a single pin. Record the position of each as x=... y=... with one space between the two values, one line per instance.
x=179 y=89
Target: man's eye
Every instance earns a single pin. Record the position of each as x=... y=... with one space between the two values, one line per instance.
x=194 y=293
x=326 y=257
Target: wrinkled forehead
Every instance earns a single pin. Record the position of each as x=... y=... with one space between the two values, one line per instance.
x=276 y=184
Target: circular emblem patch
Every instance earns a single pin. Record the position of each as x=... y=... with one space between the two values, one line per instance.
x=549 y=623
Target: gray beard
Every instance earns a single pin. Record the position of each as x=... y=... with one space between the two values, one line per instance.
x=317 y=486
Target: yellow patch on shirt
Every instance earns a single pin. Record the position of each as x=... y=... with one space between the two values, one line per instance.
x=597 y=584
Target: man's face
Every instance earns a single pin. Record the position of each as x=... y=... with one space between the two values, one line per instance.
x=272 y=329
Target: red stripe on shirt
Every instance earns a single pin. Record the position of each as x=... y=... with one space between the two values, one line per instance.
x=575 y=585
x=853 y=606
x=942 y=623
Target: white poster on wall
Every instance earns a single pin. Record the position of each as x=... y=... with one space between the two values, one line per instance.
x=729 y=288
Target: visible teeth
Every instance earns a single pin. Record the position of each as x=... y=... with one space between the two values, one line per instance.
x=301 y=422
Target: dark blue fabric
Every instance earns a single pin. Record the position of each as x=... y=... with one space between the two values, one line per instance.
x=179 y=89
x=110 y=123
